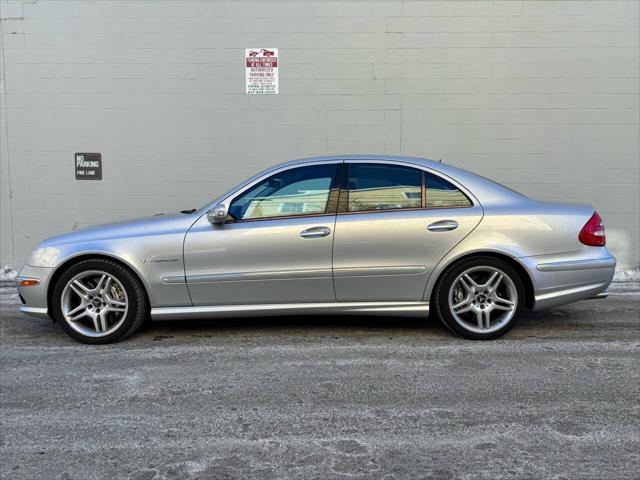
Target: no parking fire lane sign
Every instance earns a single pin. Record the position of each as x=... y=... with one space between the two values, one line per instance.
x=88 y=166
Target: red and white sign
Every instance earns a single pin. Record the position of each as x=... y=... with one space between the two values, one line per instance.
x=261 y=71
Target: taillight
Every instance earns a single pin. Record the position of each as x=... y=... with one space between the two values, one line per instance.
x=592 y=233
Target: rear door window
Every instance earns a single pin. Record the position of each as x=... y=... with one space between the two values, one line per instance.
x=376 y=186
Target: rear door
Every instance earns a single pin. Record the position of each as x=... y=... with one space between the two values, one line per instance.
x=394 y=224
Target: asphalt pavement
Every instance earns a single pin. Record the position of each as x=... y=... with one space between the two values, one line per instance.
x=325 y=398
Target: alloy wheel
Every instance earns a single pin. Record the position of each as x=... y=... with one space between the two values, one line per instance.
x=94 y=303
x=483 y=299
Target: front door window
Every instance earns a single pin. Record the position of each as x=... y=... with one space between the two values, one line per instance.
x=298 y=191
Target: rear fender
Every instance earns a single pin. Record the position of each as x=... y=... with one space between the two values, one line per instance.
x=461 y=252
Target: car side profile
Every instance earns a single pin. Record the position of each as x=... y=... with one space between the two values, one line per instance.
x=368 y=235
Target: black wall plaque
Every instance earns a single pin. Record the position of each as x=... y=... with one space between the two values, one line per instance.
x=88 y=166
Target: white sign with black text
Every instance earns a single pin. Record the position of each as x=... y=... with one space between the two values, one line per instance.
x=261 y=71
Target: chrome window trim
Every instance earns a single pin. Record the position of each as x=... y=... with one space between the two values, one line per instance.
x=282 y=217
x=226 y=201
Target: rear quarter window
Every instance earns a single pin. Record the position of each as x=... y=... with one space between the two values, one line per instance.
x=441 y=194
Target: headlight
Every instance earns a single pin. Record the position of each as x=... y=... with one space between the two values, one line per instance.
x=44 y=257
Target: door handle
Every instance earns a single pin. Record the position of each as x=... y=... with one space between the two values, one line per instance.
x=315 y=232
x=442 y=226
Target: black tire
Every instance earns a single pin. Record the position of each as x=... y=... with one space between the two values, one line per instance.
x=441 y=296
x=137 y=300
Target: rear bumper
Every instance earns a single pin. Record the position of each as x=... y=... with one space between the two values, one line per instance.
x=567 y=278
x=570 y=295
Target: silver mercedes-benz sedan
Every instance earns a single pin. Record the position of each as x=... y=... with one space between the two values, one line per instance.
x=368 y=235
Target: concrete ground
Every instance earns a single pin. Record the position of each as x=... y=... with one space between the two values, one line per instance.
x=327 y=397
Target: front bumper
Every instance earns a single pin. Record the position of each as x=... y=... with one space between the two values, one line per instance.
x=35 y=311
x=566 y=278
x=35 y=296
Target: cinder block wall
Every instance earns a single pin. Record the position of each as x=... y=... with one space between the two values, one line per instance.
x=540 y=95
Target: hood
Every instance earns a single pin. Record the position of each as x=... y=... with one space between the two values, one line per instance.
x=139 y=227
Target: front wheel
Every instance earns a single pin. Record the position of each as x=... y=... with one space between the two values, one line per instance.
x=98 y=301
x=480 y=298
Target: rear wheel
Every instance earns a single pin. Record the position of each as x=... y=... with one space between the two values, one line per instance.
x=480 y=298
x=98 y=301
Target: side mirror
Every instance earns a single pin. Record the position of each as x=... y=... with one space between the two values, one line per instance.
x=217 y=215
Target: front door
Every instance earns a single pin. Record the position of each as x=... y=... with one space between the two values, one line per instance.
x=394 y=224
x=276 y=247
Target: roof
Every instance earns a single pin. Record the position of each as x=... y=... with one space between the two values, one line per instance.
x=396 y=158
x=485 y=190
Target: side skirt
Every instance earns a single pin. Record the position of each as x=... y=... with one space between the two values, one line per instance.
x=401 y=309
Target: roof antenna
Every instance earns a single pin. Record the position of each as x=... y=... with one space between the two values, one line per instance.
x=440 y=160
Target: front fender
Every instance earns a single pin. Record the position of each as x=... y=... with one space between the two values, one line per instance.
x=152 y=258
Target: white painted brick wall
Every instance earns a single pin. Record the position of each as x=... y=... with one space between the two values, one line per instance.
x=540 y=95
